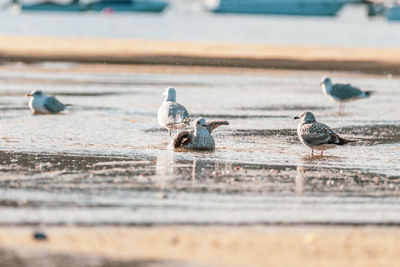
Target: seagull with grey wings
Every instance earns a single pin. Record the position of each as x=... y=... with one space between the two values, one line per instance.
x=342 y=93
x=40 y=103
x=198 y=138
x=316 y=135
x=172 y=115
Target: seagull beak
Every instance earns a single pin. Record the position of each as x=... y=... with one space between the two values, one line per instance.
x=26 y=95
x=296 y=118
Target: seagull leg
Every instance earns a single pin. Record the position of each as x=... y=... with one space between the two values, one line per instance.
x=322 y=153
x=169 y=133
x=312 y=152
x=341 y=109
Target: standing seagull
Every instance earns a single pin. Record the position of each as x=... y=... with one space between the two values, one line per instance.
x=199 y=137
x=42 y=104
x=316 y=135
x=172 y=115
x=342 y=92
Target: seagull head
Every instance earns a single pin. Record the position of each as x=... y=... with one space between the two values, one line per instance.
x=305 y=117
x=170 y=94
x=36 y=93
x=200 y=123
x=325 y=80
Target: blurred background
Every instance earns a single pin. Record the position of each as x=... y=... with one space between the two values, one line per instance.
x=366 y=23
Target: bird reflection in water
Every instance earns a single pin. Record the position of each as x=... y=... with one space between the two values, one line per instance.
x=170 y=168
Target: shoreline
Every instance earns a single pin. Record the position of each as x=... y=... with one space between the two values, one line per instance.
x=251 y=56
x=209 y=246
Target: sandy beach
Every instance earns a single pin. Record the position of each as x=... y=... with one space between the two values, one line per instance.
x=369 y=60
x=209 y=246
x=98 y=179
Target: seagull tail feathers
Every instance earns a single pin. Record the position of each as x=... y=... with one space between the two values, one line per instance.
x=343 y=141
x=369 y=93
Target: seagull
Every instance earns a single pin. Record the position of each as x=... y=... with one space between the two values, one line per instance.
x=342 y=92
x=172 y=115
x=316 y=135
x=42 y=104
x=199 y=137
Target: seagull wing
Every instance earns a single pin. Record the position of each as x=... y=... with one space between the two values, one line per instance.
x=346 y=91
x=53 y=105
x=319 y=134
x=211 y=125
x=177 y=113
x=183 y=138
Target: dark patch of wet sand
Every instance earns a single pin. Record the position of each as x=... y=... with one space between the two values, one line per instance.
x=42 y=257
x=363 y=135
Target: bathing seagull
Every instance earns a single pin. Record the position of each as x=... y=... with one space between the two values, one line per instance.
x=42 y=104
x=316 y=135
x=342 y=92
x=172 y=115
x=199 y=137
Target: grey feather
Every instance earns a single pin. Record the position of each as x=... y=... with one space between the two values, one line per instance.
x=173 y=115
x=53 y=105
x=211 y=125
x=346 y=91
x=317 y=133
x=178 y=112
x=183 y=138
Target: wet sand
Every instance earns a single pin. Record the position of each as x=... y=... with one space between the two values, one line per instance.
x=203 y=246
x=258 y=199
x=115 y=168
x=369 y=60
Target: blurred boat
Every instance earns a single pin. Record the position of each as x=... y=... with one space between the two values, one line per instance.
x=74 y=6
x=393 y=13
x=128 y=5
x=375 y=9
x=277 y=7
x=109 y=5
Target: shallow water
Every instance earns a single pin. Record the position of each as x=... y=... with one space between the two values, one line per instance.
x=105 y=160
